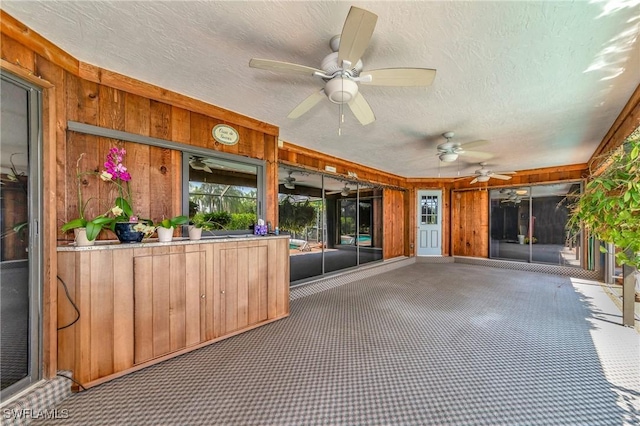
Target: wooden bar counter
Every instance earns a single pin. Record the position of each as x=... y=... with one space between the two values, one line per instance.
x=140 y=304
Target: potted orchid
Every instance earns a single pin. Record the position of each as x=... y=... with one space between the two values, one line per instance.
x=126 y=225
x=166 y=226
x=86 y=230
x=198 y=223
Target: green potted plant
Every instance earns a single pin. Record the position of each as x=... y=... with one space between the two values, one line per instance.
x=86 y=230
x=295 y=217
x=166 y=226
x=198 y=223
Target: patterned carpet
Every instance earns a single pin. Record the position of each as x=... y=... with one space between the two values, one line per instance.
x=428 y=344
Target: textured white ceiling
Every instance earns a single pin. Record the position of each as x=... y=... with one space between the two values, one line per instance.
x=542 y=81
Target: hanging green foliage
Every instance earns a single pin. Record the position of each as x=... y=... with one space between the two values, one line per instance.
x=609 y=207
x=295 y=217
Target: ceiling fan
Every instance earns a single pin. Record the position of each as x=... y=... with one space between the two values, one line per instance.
x=344 y=191
x=449 y=151
x=198 y=163
x=289 y=182
x=342 y=70
x=483 y=174
x=512 y=197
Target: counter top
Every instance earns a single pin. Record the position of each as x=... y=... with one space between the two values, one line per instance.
x=153 y=242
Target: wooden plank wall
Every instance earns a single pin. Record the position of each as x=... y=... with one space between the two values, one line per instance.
x=394 y=208
x=83 y=97
x=470 y=219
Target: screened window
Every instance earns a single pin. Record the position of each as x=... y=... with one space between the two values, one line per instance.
x=218 y=186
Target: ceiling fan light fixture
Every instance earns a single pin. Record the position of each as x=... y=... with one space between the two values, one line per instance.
x=341 y=90
x=345 y=191
x=483 y=178
x=289 y=185
x=448 y=157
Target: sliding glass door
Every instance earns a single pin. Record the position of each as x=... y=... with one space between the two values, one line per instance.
x=529 y=224
x=334 y=224
x=20 y=271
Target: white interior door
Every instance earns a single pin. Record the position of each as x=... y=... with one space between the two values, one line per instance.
x=429 y=221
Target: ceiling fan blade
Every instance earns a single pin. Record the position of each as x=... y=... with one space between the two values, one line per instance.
x=356 y=34
x=307 y=104
x=477 y=154
x=401 y=77
x=474 y=180
x=361 y=109
x=498 y=176
x=269 y=65
x=473 y=144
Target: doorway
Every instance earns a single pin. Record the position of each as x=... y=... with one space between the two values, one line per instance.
x=429 y=223
x=20 y=244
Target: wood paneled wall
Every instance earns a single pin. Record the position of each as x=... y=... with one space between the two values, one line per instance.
x=544 y=175
x=470 y=223
x=87 y=94
x=297 y=156
x=394 y=214
x=628 y=120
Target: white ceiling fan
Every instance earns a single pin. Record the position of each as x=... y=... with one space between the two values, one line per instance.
x=483 y=174
x=198 y=163
x=512 y=196
x=289 y=182
x=344 y=191
x=342 y=70
x=449 y=151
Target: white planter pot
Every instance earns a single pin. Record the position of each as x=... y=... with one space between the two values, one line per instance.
x=520 y=239
x=194 y=233
x=165 y=235
x=81 y=237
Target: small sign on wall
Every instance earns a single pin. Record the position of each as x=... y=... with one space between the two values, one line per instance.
x=226 y=135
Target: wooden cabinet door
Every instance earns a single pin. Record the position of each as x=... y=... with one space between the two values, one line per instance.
x=169 y=295
x=243 y=270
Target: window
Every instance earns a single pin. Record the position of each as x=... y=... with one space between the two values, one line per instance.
x=228 y=188
x=429 y=210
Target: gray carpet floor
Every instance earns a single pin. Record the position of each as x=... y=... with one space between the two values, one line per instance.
x=428 y=344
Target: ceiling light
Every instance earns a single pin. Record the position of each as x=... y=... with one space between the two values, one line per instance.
x=483 y=178
x=448 y=157
x=289 y=185
x=345 y=191
x=341 y=90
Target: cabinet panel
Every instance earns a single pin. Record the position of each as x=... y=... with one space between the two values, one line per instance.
x=244 y=275
x=167 y=304
x=142 y=304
